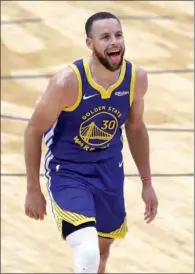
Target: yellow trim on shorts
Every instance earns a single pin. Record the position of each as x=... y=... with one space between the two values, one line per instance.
x=132 y=86
x=79 y=97
x=105 y=94
x=117 y=234
x=78 y=219
x=70 y=217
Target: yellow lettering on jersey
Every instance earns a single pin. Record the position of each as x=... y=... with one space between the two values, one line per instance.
x=116 y=111
x=93 y=111
x=81 y=144
x=98 y=128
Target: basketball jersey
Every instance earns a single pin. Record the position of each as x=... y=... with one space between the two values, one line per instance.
x=91 y=129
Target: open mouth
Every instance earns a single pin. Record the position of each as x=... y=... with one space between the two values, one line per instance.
x=114 y=56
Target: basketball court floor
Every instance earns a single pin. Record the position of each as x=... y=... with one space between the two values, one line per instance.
x=40 y=37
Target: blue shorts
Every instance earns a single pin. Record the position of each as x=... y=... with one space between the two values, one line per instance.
x=84 y=192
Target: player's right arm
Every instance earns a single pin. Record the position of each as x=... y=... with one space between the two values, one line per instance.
x=61 y=92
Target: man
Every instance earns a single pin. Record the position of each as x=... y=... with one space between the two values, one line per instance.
x=80 y=116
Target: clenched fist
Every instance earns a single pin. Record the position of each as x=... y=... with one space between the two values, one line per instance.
x=35 y=204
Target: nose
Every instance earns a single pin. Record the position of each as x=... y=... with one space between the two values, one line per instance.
x=113 y=40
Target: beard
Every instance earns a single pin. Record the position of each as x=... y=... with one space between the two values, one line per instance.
x=104 y=61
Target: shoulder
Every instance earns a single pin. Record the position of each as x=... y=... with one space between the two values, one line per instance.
x=62 y=88
x=141 y=82
x=141 y=76
x=65 y=78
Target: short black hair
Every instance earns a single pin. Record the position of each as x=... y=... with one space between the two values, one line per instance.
x=95 y=17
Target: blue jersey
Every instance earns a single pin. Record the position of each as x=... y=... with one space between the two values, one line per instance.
x=91 y=129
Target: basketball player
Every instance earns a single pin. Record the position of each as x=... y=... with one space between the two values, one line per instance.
x=80 y=116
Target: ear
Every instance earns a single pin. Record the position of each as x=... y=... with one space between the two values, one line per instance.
x=89 y=43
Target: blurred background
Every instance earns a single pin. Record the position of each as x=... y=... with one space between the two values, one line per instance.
x=40 y=37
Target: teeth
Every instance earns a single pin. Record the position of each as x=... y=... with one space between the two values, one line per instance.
x=114 y=51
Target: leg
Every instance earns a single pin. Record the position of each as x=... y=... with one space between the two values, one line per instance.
x=104 y=245
x=74 y=210
x=84 y=243
x=110 y=208
x=110 y=226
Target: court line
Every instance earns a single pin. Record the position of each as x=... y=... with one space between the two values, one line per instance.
x=121 y=17
x=168 y=71
x=145 y=17
x=21 y=21
x=36 y=76
x=126 y=175
x=171 y=129
x=9 y=117
x=15 y=118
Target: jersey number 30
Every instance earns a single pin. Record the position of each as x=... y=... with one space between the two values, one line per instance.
x=108 y=124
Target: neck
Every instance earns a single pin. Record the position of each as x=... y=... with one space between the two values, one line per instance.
x=100 y=73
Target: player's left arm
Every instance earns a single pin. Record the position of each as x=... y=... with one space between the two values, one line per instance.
x=138 y=140
x=136 y=131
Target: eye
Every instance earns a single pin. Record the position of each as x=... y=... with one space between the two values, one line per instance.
x=119 y=35
x=105 y=37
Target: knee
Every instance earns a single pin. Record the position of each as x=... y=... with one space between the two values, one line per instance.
x=104 y=253
x=105 y=245
x=87 y=258
x=84 y=243
x=89 y=253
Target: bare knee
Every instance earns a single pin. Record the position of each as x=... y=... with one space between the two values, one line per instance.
x=104 y=253
x=104 y=245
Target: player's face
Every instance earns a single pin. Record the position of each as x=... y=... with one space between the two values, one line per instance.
x=107 y=43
